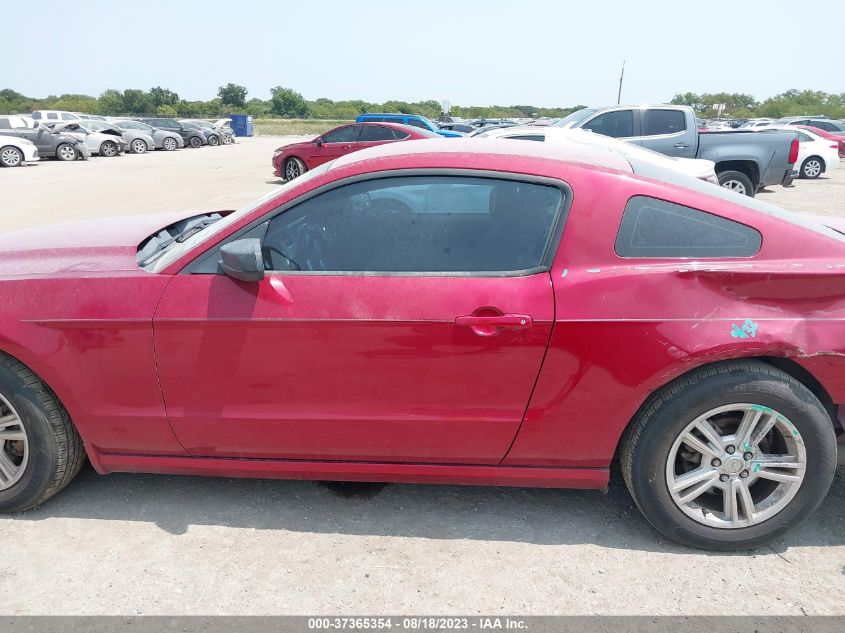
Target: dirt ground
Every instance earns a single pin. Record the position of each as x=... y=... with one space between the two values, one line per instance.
x=144 y=544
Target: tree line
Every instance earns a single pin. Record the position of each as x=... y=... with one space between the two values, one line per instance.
x=287 y=103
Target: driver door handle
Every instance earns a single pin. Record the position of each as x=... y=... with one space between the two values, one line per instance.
x=504 y=321
x=681 y=145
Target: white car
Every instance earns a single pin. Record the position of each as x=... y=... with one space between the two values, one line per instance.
x=99 y=143
x=17 y=151
x=755 y=123
x=696 y=167
x=816 y=155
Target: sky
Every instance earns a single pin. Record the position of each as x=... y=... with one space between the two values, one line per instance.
x=483 y=52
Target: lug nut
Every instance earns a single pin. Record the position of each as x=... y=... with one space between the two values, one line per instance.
x=748 y=456
x=716 y=462
x=731 y=450
x=743 y=474
x=723 y=477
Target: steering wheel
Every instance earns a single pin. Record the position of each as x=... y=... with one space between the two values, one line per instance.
x=313 y=242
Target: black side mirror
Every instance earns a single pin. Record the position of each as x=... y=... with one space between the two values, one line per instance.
x=319 y=141
x=242 y=259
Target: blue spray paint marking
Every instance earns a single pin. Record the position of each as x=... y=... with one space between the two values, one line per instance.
x=749 y=328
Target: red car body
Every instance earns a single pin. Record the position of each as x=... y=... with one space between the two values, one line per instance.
x=836 y=138
x=375 y=377
x=323 y=149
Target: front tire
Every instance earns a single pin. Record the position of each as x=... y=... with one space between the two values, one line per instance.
x=10 y=156
x=294 y=168
x=108 y=149
x=730 y=457
x=812 y=167
x=214 y=140
x=195 y=142
x=66 y=152
x=139 y=146
x=737 y=181
x=40 y=450
x=169 y=144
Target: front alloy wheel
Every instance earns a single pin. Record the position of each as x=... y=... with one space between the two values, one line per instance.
x=139 y=146
x=14 y=445
x=108 y=149
x=11 y=157
x=169 y=144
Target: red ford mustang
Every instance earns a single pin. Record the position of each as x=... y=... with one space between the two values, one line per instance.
x=291 y=161
x=473 y=312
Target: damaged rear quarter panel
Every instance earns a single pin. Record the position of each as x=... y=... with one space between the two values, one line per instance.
x=626 y=327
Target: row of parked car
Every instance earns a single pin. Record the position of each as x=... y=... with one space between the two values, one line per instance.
x=744 y=161
x=69 y=136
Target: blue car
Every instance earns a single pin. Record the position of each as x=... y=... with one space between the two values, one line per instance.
x=408 y=119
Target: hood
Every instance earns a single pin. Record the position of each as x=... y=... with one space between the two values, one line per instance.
x=89 y=246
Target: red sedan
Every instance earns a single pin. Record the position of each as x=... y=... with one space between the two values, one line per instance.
x=475 y=312
x=291 y=161
x=829 y=136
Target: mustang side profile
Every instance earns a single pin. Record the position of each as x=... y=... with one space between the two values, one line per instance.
x=489 y=312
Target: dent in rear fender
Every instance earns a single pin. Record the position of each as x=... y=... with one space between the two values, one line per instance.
x=622 y=333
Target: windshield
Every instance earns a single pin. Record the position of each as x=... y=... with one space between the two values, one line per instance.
x=177 y=249
x=575 y=117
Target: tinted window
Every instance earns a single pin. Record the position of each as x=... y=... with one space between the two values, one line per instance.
x=5 y=125
x=417 y=224
x=655 y=228
x=400 y=135
x=618 y=124
x=342 y=135
x=663 y=122
x=824 y=125
x=528 y=137
x=803 y=138
x=376 y=133
x=52 y=116
x=417 y=123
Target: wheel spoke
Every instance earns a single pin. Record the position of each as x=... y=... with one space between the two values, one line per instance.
x=776 y=475
x=696 y=491
x=763 y=429
x=745 y=497
x=12 y=436
x=7 y=468
x=693 y=477
x=749 y=421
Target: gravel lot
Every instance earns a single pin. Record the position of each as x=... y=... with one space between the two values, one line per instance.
x=143 y=544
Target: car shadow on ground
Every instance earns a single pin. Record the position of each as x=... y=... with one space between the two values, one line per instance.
x=528 y=515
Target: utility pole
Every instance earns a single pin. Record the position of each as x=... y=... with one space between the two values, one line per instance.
x=621 y=76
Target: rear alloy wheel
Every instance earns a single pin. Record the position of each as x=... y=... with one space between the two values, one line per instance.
x=40 y=450
x=10 y=157
x=195 y=142
x=66 y=152
x=214 y=140
x=108 y=149
x=812 y=167
x=737 y=181
x=169 y=144
x=294 y=168
x=138 y=146
x=730 y=456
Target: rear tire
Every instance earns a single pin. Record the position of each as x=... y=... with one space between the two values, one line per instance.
x=10 y=156
x=52 y=452
x=812 y=167
x=653 y=443
x=737 y=181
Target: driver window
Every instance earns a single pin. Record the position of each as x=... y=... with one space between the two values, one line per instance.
x=417 y=224
x=346 y=134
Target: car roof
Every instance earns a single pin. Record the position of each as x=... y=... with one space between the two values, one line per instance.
x=396 y=114
x=490 y=148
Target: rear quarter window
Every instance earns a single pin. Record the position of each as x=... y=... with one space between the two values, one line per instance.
x=658 y=229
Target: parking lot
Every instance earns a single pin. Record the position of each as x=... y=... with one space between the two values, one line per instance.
x=131 y=544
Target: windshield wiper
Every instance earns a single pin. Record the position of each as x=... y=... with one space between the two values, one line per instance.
x=179 y=237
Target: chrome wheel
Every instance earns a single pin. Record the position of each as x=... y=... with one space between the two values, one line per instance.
x=736 y=465
x=66 y=152
x=735 y=185
x=292 y=169
x=108 y=149
x=11 y=157
x=138 y=146
x=14 y=445
x=169 y=144
x=812 y=168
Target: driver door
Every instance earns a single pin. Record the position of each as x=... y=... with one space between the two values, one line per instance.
x=400 y=320
x=336 y=143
